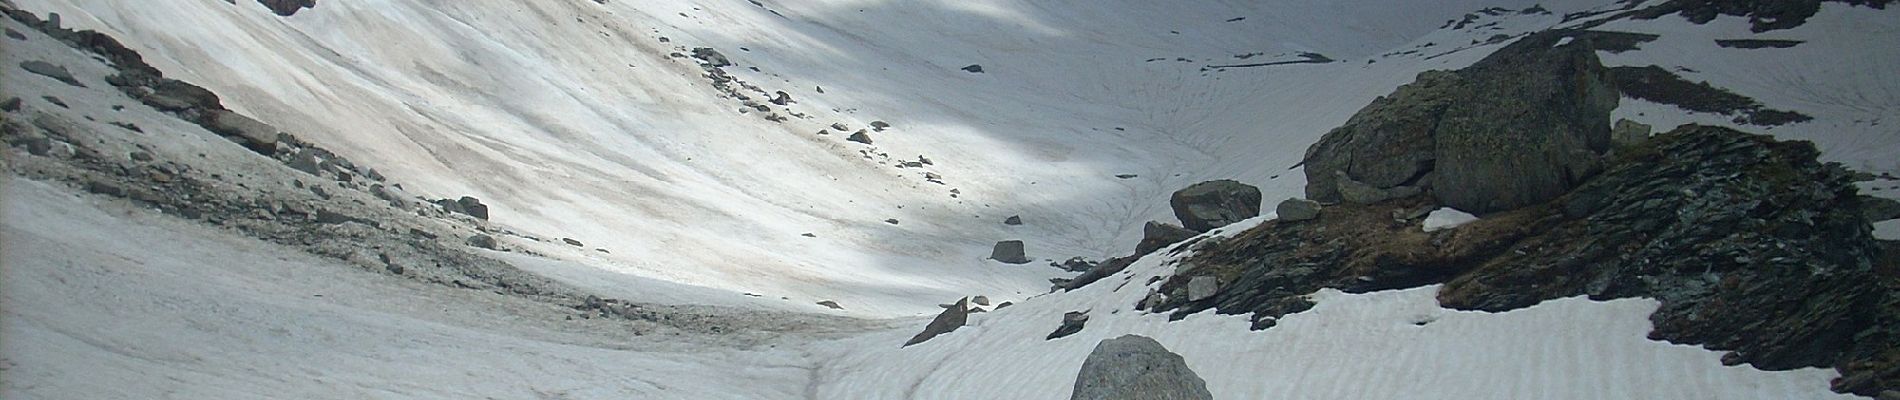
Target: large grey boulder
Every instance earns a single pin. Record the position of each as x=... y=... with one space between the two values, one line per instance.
x=1134 y=367
x=1520 y=127
x=949 y=320
x=1009 y=252
x=1213 y=204
x=1388 y=143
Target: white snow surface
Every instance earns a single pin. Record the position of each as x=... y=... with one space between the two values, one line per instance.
x=570 y=120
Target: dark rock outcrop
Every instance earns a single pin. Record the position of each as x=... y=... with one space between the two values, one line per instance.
x=49 y=70
x=1072 y=322
x=1520 y=127
x=712 y=57
x=1751 y=245
x=288 y=7
x=949 y=320
x=1009 y=252
x=1763 y=15
x=1134 y=367
x=1157 y=235
x=1201 y=207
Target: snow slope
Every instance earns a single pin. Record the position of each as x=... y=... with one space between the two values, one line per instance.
x=571 y=120
x=1383 y=345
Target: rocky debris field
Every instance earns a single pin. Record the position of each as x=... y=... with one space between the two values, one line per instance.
x=1752 y=246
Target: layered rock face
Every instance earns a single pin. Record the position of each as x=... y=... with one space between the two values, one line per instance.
x=1520 y=127
x=1751 y=245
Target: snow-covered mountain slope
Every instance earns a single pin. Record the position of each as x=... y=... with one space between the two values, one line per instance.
x=1384 y=345
x=570 y=119
x=573 y=119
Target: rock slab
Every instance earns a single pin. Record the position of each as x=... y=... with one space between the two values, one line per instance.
x=1213 y=204
x=1134 y=367
x=949 y=320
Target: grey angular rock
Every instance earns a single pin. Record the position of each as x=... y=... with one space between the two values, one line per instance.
x=949 y=320
x=1009 y=252
x=257 y=136
x=1072 y=322
x=711 y=57
x=980 y=300
x=1134 y=367
x=1297 y=209
x=473 y=207
x=49 y=70
x=831 y=304
x=1157 y=235
x=1013 y=220
x=860 y=136
x=1207 y=205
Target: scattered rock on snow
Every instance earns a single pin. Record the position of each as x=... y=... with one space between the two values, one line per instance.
x=974 y=69
x=1213 y=204
x=980 y=300
x=49 y=70
x=1137 y=367
x=949 y=320
x=1009 y=252
x=572 y=242
x=1013 y=220
x=1072 y=322
x=831 y=304
x=711 y=57
x=860 y=136
x=287 y=8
